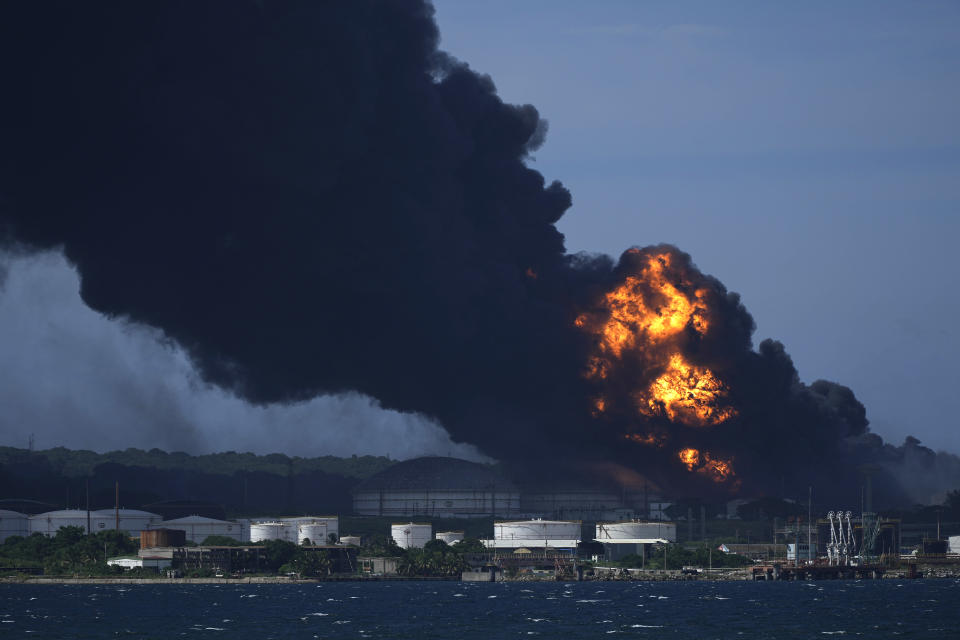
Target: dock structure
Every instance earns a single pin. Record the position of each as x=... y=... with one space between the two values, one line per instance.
x=783 y=571
x=559 y=565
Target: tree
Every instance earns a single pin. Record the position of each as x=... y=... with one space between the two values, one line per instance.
x=221 y=541
x=436 y=546
x=278 y=553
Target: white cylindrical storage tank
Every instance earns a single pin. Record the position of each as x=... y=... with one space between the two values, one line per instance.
x=13 y=523
x=131 y=520
x=315 y=532
x=351 y=540
x=450 y=537
x=264 y=531
x=50 y=522
x=411 y=535
x=636 y=530
x=332 y=523
x=537 y=530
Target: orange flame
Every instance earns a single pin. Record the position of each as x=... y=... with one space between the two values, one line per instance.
x=640 y=318
x=648 y=307
x=685 y=393
x=689 y=457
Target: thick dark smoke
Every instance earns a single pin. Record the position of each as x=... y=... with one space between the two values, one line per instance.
x=311 y=197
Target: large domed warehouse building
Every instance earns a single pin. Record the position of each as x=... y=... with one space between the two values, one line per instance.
x=438 y=487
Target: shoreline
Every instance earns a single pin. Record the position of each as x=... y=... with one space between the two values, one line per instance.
x=731 y=576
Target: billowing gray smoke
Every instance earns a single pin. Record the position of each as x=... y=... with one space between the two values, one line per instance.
x=310 y=197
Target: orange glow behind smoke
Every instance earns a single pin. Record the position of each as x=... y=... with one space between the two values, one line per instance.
x=685 y=393
x=717 y=469
x=648 y=439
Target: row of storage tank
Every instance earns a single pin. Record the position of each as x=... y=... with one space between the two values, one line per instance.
x=322 y=529
x=315 y=529
x=540 y=533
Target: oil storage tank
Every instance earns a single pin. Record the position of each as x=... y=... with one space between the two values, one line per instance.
x=560 y=534
x=198 y=528
x=331 y=523
x=636 y=530
x=50 y=522
x=266 y=531
x=624 y=538
x=312 y=532
x=130 y=520
x=437 y=487
x=411 y=535
x=152 y=538
x=13 y=523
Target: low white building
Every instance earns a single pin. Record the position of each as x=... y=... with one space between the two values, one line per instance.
x=133 y=562
x=953 y=544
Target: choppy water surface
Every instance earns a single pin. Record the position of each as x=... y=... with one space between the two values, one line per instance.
x=873 y=609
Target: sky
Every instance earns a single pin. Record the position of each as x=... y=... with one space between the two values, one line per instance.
x=807 y=155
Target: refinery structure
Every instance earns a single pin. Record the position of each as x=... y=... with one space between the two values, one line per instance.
x=525 y=526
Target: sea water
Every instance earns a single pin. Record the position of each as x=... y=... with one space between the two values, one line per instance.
x=460 y=611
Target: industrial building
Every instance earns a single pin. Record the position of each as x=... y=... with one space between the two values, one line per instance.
x=411 y=535
x=439 y=487
x=542 y=534
x=624 y=538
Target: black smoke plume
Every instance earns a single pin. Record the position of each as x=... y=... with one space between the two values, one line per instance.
x=311 y=197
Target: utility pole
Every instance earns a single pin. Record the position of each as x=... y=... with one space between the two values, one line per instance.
x=809 y=523
x=87 y=486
